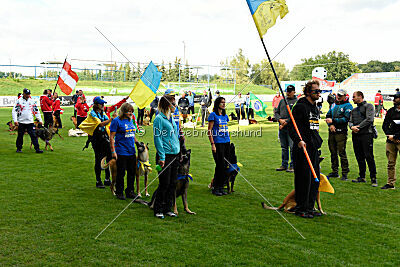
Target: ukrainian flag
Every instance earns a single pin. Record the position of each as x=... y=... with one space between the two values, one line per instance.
x=265 y=13
x=145 y=90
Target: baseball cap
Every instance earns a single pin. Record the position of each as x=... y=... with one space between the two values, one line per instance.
x=27 y=91
x=290 y=88
x=397 y=95
x=169 y=92
x=341 y=92
x=98 y=100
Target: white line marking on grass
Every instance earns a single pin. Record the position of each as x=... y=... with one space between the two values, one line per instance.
x=133 y=200
x=267 y=201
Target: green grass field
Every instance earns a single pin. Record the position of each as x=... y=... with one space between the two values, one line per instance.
x=51 y=211
x=15 y=86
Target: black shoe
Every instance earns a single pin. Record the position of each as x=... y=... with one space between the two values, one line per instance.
x=344 y=177
x=99 y=184
x=290 y=169
x=316 y=213
x=120 y=196
x=216 y=192
x=39 y=151
x=19 y=151
x=388 y=186
x=131 y=195
x=223 y=192
x=107 y=182
x=333 y=175
x=304 y=215
x=359 y=180
x=374 y=183
x=281 y=168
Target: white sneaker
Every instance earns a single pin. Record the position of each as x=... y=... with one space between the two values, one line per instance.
x=171 y=214
x=159 y=215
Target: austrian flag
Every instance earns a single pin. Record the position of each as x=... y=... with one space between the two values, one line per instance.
x=67 y=79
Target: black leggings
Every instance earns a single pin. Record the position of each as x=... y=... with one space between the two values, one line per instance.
x=165 y=195
x=191 y=108
x=221 y=156
x=48 y=119
x=30 y=128
x=101 y=150
x=58 y=118
x=79 y=120
x=363 y=145
x=125 y=164
x=140 y=116
x=152 y=112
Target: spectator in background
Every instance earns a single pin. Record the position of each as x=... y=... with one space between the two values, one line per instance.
x=283 y=117
x=190 y=97
x=183 y=104
x=204 y=100
x=112 y=108
x=397 y=90
x=82 y=109
x=74 y=100
x=319 y=104
x=391 y=128
x=140 y=116
x=239 y=107
x=249 y=110
x=331 y=99
x=22 y=114
x=275 y=101
x=337 y=119
x=361 y=124
x=46 y=107
x=153 y=107
x=57 y=110
x=378 y=104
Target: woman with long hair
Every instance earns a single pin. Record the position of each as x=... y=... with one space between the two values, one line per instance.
x=122 y=143
x=218 y=135
x=166 y=141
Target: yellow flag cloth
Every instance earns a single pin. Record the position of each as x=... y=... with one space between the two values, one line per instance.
x=89 y=124
x=325 y=185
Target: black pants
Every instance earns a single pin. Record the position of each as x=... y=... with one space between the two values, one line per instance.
x=79 y=120
x=125 y=164
x=74 y=111
x=238 y=114
x=250 y=113
x=140 y=116
x=166 y=185
x=152 y=112
x=101 y=150
x=204 y=112
x=304 y=183
x=363 y=146
x=191 y=108
x=221 y=156
x=30 y=128
x=48 y=119
x=58 y=118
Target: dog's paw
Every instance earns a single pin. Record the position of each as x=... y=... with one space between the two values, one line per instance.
x=147 y=194
x=190 y=212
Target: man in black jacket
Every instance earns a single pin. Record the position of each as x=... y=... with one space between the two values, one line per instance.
x=361 y=123
x=306 y=115
x=391 y=127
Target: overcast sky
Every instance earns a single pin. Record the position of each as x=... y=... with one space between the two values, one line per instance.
x=34 y=31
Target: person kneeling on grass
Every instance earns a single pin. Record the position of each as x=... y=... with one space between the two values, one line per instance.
x=166 y=141
x=123 y=150
x=218 y=135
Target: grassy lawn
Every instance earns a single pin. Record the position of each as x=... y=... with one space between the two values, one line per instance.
x=15 y=86
x=52 y=212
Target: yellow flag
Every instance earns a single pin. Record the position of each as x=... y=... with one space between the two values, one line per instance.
x=325 y=185
x=89 y=124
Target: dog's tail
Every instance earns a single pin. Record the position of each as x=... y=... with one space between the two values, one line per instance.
x=268 y=207
x=104 y=164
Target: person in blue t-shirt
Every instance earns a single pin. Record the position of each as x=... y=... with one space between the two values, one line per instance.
x=220 y=144
x=122 y=143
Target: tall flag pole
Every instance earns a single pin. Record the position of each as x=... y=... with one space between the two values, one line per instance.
x=265 y=13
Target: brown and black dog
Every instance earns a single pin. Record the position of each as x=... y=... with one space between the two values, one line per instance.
x=112 y=165
x=74 y=121
x=142 y=167
x=12 y=128
x=46 y=135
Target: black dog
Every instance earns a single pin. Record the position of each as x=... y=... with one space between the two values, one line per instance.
x=233 y=117
x=232 y=169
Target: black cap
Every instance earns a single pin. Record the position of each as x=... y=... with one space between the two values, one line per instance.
x=290 y=88
x=27 y=91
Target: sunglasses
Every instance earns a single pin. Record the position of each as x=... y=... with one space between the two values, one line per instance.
x=316 y=91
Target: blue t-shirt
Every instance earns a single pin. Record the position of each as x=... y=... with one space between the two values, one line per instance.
x=101 y=117
x=124 y=136
x=220 y=131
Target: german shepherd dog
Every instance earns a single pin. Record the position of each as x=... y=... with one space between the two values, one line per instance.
x=46 y=135
x=182 y=184
x=12 y=128
x=232 y=170
x=143 y=167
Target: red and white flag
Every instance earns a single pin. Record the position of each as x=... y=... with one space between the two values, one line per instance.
x=67 y=79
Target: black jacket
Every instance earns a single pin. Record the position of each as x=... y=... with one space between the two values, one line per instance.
x=389 y=126
x=183 y=102
x=362 y=116
x=306 y=116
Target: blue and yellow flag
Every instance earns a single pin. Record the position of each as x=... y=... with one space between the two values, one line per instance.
x=145 y=90
x=265 y=13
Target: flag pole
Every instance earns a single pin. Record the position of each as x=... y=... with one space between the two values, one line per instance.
x=55 y=87
x=290 y=112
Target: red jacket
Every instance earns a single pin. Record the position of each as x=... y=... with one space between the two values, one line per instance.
x=110 y=109
x=378 y=99
x=56 y=104
x=81 y=109
x=46 y=104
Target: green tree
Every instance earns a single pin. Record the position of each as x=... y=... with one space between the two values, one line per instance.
x=263 y=74
x=243 y=67
x=163 y=70
x=378 y=66
x=337 y=64
x=127 y=68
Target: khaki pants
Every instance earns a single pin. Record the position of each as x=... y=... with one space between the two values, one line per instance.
x=337 y=146
x=391 y=154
